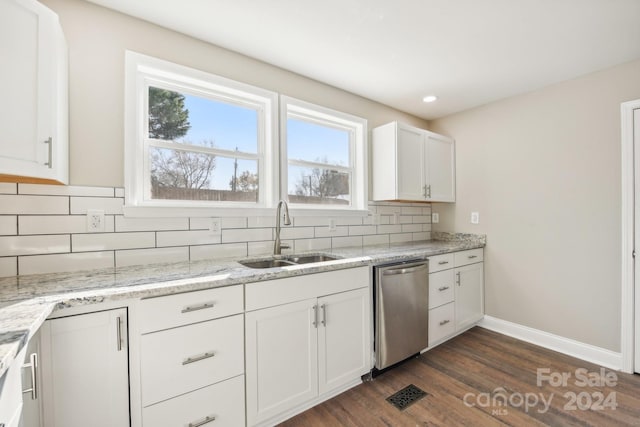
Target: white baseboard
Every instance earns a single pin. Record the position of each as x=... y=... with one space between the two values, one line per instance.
x=588 y=352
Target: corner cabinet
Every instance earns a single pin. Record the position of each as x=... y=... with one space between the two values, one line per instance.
x=34 y=83
x=412 y=164
x=307 y=339
x=85 y=370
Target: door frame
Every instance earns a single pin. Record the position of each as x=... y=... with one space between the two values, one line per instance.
x=627 y=302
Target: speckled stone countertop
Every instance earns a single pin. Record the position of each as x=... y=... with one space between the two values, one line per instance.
x=26 y=301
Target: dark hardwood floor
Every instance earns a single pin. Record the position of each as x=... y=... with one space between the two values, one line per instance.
x=482 y=378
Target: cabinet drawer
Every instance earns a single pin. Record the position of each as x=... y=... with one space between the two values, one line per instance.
x=441 y=288
x=440 y=262
x=441 y=323
x=189 y=307
x=468 y=257
x=179 y=360
x=224 y=401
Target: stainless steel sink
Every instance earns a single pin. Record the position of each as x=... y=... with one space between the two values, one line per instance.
x=287 y=261
x=308 y=259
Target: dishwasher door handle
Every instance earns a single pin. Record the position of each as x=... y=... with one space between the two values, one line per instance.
x=392 y=271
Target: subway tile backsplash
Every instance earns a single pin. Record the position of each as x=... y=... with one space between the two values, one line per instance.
x=43 y=229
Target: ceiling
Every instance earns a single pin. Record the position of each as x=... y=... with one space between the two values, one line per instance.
x=468 y=52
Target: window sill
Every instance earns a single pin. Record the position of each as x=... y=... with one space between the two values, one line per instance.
x=219 y=212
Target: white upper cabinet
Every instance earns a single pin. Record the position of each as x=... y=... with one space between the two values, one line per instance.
x=34 y=83
x=414 y=164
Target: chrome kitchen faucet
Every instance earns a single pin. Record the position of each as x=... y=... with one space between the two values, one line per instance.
x=277 y=246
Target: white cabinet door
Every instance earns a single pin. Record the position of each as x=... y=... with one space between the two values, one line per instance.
x=281 y=358
x=469 y=295
x=409 y=163
x=33 y=80
x=441 y=173
x=85 y=377
x=410 y=167
x=343 y=338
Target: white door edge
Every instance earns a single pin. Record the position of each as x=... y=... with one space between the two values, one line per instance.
x=628 y=218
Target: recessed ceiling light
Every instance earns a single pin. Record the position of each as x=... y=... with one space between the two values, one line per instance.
x=430 y=98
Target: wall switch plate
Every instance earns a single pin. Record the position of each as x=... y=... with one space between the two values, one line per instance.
x=395 y=218
x=435 y=217
x=95 y=221
x=215 y=227
x=332 y=225
x=475 y=217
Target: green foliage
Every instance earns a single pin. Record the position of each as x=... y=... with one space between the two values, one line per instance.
x=168 y=117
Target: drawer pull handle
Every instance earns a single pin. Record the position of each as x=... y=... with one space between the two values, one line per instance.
x=443 y=262
x=198 y=358
x=444 y=322
x=443 y=288
x=205 y=420
x=472 y=256
x=190 y=308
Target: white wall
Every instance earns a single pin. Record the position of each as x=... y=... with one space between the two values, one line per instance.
x=543 y=170
x=98 y=38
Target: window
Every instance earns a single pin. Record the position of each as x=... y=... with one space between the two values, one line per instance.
x=325 y=157
x=197 y=144
x=197 y=140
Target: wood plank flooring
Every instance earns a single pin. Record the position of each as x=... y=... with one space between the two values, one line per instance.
x=465 y=378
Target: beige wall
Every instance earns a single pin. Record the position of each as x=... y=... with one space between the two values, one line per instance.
x=97 y=39
x=543 y=170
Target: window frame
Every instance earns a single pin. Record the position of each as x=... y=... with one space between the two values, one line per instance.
x=357 y=126
x=142 y=72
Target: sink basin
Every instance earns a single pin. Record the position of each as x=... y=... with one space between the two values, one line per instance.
x=308 y=259
x=290 y=260
x=267 y=263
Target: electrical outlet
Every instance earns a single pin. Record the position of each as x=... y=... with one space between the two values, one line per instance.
x=475 y=217
x=95 y=221
x=395 y=218
x=215 y=227
x=332 y=225
x=435 y=217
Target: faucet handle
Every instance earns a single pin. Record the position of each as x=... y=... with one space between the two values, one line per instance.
x=285 y=246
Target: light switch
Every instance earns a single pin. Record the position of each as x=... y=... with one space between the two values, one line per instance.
x=475 y=217
x=435 y=217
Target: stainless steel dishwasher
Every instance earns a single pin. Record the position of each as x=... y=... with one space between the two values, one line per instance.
x=401 y=310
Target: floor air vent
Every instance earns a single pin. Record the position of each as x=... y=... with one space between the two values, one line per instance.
x=406 y=397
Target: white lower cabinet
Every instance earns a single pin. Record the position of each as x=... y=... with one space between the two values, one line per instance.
x=220 y=404
x=343 y=338
x=282 y=359
x=85 y=371
x=180 y=360
x=442 y=322
x=456 y=293
x=192 y=358
x=299 y=351
x=469 y=295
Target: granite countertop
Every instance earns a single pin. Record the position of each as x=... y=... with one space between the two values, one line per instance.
x=27 y=301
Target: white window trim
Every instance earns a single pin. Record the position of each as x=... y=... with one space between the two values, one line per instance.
x=140 y=70
x=358 y=157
